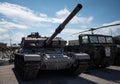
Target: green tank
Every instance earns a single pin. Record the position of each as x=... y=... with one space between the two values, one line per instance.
x=47 y=53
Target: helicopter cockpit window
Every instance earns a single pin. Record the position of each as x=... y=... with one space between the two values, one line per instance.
x=93 y=39
x=109 y=39
x=85 y=39
x=101 y=39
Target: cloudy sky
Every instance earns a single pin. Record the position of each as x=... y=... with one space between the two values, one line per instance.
x=18 y=18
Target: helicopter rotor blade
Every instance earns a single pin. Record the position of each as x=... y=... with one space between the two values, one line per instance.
x=107 y=26
x=92 y=29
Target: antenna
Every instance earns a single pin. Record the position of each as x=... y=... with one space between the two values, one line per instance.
x=10 y=42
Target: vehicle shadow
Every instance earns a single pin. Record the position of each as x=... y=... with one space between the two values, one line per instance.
x=54 y=78
x=106 y=73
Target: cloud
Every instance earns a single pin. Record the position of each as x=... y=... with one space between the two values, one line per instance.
x=43 y=15
x=114 y=22
x=2 y=30
x=62 y=14
x=26 y=16
x=113 y=30
x=4 y=36
x=10 y=25
x=70 y=31
x=17 y=37
x=20 y=17
x=82 y=20
x=17 y=12
x=67 y=34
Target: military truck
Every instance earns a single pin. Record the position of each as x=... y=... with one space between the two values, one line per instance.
x=101 y=48
x=116 y=40
x=47 y=53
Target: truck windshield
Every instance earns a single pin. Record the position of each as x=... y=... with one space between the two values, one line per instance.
x=109 y=39
x=93 y=39
x=101 y=39
x=85 y=39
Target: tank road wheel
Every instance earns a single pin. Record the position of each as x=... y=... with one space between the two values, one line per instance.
x=74 y=71
x=77 y=70
x=29 y=72
x=80 y=70
x=26 y=70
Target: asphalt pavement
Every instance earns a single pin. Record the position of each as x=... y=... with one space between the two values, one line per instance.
x=110 y=75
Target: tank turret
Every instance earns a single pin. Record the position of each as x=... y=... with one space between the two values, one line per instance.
x=34 y=38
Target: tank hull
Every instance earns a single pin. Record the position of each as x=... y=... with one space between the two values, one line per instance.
x=28 y=67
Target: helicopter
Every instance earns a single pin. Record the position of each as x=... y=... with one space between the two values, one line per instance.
x=101 y=48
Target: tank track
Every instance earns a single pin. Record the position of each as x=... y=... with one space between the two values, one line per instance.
x=26 y=71
x=81 y=67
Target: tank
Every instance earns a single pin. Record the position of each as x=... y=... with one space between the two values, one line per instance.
x=47 y=53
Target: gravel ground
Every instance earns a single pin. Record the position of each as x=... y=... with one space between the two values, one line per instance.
x=110 y=75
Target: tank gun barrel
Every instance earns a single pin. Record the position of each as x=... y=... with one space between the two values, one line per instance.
x=62 y=25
